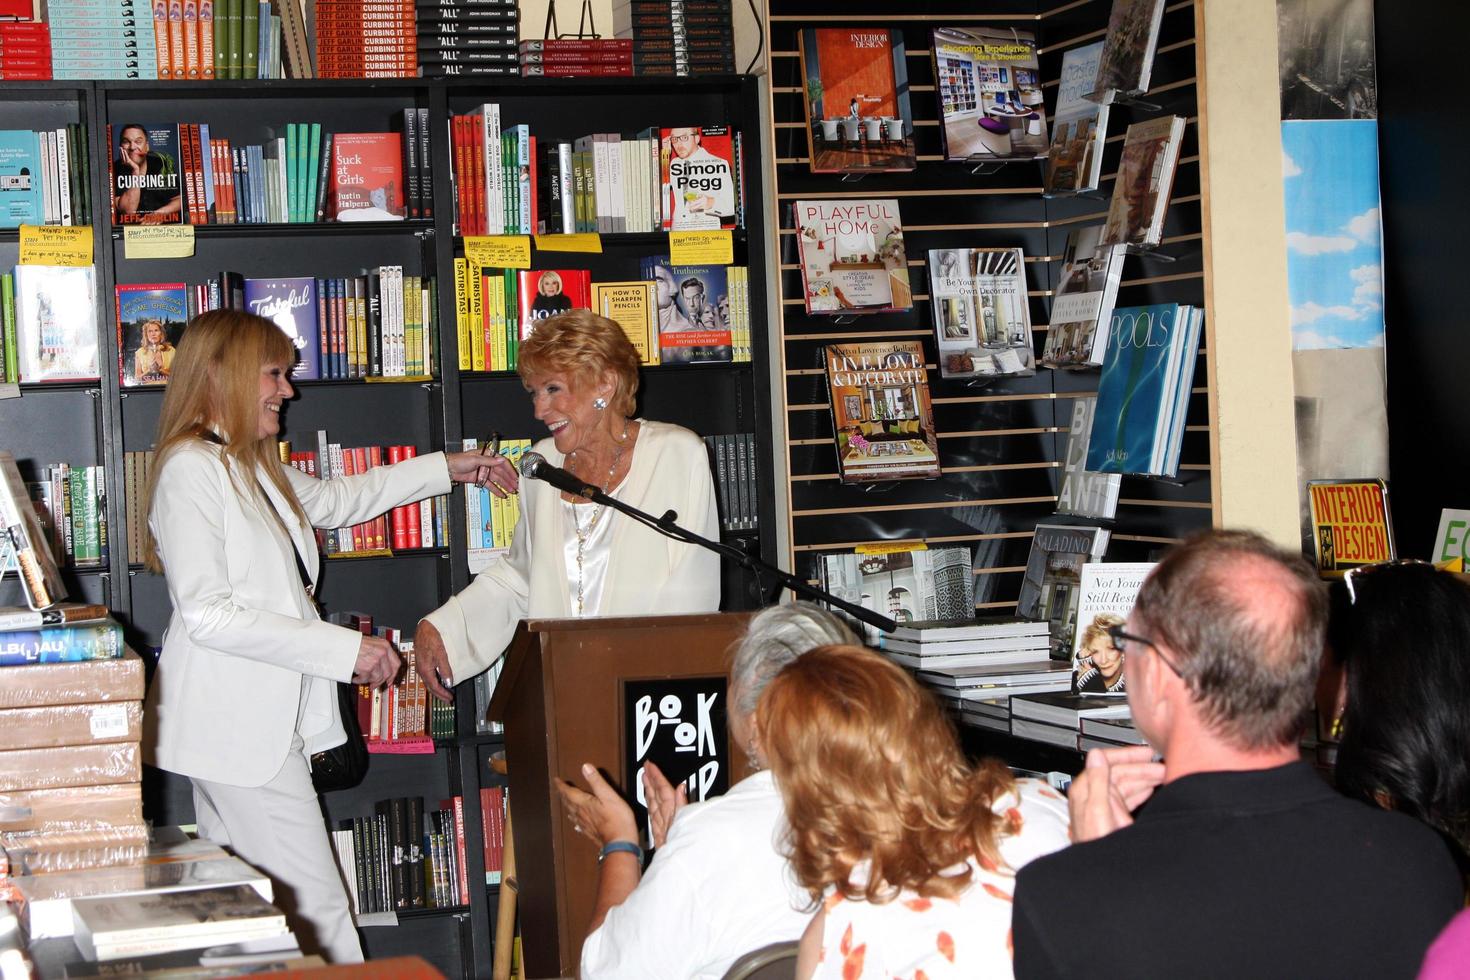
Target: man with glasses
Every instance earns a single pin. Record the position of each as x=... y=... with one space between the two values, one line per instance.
x=1243 y=862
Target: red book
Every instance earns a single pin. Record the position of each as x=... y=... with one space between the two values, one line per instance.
x=378 y=525
x=367 y=177
x=463 y=874
x=541 y=293
x=477 y=180
x=400 y=519
x=365 y=712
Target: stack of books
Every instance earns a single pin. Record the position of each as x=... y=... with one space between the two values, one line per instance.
x=677 y=37
x=360 y=40
x=577 y=57
x=90 y=40
x=467 y=37
x=1057 y=718
x=1105 y=732
x=25 y=51
x=402 y=857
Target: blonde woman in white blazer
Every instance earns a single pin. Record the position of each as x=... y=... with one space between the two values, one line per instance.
x=245 y=687
x=569 y=557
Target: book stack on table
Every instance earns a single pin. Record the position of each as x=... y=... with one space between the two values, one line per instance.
x=577 y=57
x=25 y=51
x=467 y=37
x=677 y=37
x=102 y=39
x=1057 y=718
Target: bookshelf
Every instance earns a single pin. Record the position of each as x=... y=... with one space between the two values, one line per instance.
x=97 y=422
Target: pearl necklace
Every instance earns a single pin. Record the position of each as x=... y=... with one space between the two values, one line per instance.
x=585 y=534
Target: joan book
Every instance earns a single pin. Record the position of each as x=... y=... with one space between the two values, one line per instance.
x=882 y=415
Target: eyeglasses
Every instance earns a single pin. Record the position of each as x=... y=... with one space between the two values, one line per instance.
x=1121 y=638
x=1353 y=576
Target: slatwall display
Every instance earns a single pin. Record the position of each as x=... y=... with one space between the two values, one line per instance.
x=1000 y=440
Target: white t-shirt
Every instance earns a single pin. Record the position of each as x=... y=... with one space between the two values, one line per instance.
x=947 y=938
x=718 y=888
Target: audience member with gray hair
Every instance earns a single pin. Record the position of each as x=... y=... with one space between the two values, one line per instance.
x=720 y=884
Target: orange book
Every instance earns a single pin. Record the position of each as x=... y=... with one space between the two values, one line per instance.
x=206 y=38
x=160 y=38
x=191 y=39
x=176 y=39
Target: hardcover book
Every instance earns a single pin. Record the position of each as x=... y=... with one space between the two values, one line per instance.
x=1080 y=125
x=693 y=311
x=856 y=84
x=1145 y=176
x=55 y=322
x=541 y=293
x=20 y=179
x=1049 y=589
x=146 y=178
x=112 y=926
x=1128 y=50
x=1107 y=594
x=291 y=304
x=990 y=98
x=918 y=584
x=632 y=306
x=1351 y=524
x=1085 y=494
x=852 y=256
x=21 y=533
x=982 y=317
x=367 y=177
x=151 y=319
x=699 y=177
x=61 y=644
x=1082 y=307
x=882 y=416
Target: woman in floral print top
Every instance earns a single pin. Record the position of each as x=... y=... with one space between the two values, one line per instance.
x=911 y=852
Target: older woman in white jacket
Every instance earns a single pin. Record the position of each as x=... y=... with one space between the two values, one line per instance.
x=570 y=557
x=245 y=687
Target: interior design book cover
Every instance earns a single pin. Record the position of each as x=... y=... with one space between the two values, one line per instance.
x=1050 y=586
x=852 y=256
x=882 y=416
x=1128 y=50
x=1145 y=176
x=990 y=97
x=915 y=585
x=1083 y=493
x=981 y=314
x=856 y=84
x=1074 y=159
x=1143 y=390
x=1082 y=306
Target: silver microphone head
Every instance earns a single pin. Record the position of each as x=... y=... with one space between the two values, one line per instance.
x=531 y=463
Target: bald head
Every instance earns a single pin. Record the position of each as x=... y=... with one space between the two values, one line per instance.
x=1245 y=622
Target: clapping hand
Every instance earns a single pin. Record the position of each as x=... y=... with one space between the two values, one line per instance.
x=1115 y=783
x=664 y=802
x=600 y=815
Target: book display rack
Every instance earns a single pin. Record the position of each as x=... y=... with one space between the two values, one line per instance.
x=91 y=423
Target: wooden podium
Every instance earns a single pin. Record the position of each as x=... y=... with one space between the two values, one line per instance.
x=561 y=699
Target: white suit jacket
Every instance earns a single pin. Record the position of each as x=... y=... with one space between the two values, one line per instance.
x=245 y=649
x=647 y=573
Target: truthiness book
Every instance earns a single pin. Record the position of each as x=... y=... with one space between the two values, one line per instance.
x=693 y=311
x=882 y=415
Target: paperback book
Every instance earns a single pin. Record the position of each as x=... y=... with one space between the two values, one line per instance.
x=852 y=256
x=151 y=318
x=1107 y=597
x=858 y=118
x=292 y=305
x=1050 y=587
x=1351 y=524
x=1145 y=177
x=541 y=293
x=693 y=311
x=146 y=179
x=1074 y=160
x=699 y=177
x=990 y=97
x=1128 y=50
x=1083 y=305
x=982 y=317
x=367 y=177
x=907 y=586
x=882 y=415
x=632 y=306
x=1085 y=494
x=56 y=322
x=20 y=179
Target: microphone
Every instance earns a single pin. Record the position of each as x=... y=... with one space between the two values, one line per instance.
x=535 y=467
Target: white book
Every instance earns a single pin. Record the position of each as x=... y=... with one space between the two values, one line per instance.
x=937 y=648
x=1041 y=732
x=63 y=175
x=989 y=722
x=48 y=178
x=568 y=196
x=984 y=692
x=1083 y=492
x=1029 y=672
x=1067 y=709
x=130 y=925
x=494 y=178
x=1120 y=729
x=967 y=629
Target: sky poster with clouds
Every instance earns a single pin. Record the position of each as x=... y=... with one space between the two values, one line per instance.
x=1333 y=244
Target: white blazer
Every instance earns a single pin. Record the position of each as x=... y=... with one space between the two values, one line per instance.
x=647 y=573
x=246 y=659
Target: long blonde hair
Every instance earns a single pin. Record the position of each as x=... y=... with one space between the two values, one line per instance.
x=214 y=387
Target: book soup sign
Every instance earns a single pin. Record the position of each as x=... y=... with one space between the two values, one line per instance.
x=678 y=724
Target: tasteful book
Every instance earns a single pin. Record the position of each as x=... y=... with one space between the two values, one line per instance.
x=907 y=586
x=291 y=304
x=1144 y=389
x=856 y=87
x=700 y=182
x=693 y=311
x=1082 y=306
x=541 y=293
x=1079 y=127
x=146 y=178
x=367 y=177
x=881 y=412
x=990 y=98
x=20 y=179
x=982 y=317
x=151 y=318
x=1085 y=494
x=1128 y=49
x=1049 y=588
x=56 y=322
x=1145 y=176
x=1107 y=596
x=852 y=256
x=21 y=533
x=1351 y=524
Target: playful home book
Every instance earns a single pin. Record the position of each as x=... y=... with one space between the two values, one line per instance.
x=881 y=411
x=699 y=177
x=1350 y=524
x=1127 y=59
x=982 y=317
x=150 y=323
x=1074 y=160
x=146 y=179
x=55 y=322
x=1082 y=307
x=1145 y=177
x=541 y=293
x=693 y=311
x=291 y=304
x=990 y=97
x=1108 y=590
x=367 y=177
x=852 y=256
x=1050 y=587
x=20 y=179
x=856 y=96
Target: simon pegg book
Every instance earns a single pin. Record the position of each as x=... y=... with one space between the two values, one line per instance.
x=882 y=416
x=699 y=177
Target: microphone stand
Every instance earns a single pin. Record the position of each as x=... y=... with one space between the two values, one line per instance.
x=666 y=526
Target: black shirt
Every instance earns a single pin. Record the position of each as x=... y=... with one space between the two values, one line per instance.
x=1266 y=873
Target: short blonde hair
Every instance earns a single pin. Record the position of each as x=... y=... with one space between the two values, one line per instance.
x=583 y=344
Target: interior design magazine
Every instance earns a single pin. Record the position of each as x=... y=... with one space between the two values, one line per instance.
x=856 y=87
x=882 y=416
x=852 y=256
x=1049 y=589
x=1082 y=306
x=981 y=314
x=990 y=97
x=1351 y=524
x=1074 y=160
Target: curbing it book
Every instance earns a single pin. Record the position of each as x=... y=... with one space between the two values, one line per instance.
x=1351 y=524
x=882 y=416
x=146 y=176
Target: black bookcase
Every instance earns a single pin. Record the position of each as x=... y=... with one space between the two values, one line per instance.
x=91 y=423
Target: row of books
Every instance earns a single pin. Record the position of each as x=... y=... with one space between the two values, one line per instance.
x=45 y=177
x=420 y=525
x=576 y=57
x=466 y=39
x=490 y=520
x=677 y=37
x=494 y=803
x=737 y=484
x=400 y=857
x=71 y=502
x=400 y=717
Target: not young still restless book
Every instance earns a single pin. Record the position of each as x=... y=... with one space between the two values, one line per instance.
x=151 y=318
x=1074 y=160
x=699 y=177
x=146 y=178
x=855 y=89
x=882 y=416
x=1108 y=590
x=852 y=256
x=990 y=98
x=1050 y=586
x=1082 y=307
x=981 y=314
x=1145 y=177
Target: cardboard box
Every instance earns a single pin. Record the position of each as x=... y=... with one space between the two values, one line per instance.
x=76 y=682
x=70 y=724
